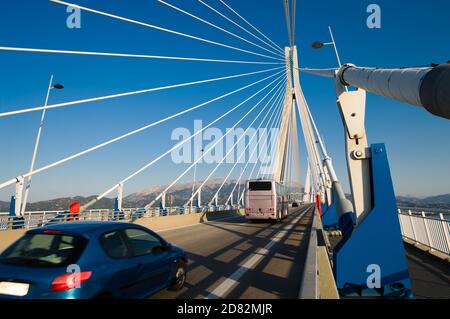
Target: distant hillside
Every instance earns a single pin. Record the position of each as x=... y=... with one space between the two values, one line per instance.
x=61 y=203
x=436 y=202
x=181 y=193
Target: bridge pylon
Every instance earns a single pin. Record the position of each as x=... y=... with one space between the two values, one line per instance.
x=369 y=260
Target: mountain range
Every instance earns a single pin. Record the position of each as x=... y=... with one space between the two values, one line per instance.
x=180 y=194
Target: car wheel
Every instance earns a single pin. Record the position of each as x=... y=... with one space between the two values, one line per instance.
x=180 y=277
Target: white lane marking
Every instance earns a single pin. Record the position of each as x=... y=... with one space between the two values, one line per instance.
x=233 y=280
x=204 y=223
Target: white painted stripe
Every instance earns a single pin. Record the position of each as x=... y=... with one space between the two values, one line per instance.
x=226 y=286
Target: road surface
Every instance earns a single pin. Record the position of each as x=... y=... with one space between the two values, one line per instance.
x=235 y=258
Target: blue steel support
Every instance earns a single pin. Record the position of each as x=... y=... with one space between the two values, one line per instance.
x=17 y=221
x=118 y=214
x=197 y=204
x=330 y=218
x=12 y=206
x=375 y=243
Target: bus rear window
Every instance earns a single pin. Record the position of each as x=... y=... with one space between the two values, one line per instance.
x=260 y=186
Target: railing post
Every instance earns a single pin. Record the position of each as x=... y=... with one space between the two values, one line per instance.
x=412 y=225
x=18 y=195
x=446 y=231
x=427 y=230
x=400 y=221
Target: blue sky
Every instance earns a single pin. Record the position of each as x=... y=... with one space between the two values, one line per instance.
x=413 y=33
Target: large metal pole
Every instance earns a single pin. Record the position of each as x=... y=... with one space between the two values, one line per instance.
x=335 y=47
x=342 y=204
x=428 y=87
x=36 y=147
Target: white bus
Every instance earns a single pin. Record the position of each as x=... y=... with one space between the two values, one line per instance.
x=265 y=200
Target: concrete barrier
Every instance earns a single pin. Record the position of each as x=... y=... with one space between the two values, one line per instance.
x=167 y=222
x=318 y=280
x=7 y=237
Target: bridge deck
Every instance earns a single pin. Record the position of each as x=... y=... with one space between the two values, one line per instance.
x=235 y=258
x=430 y=276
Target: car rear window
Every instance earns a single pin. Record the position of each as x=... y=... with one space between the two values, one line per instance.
x=260 y=186
x=44 y=250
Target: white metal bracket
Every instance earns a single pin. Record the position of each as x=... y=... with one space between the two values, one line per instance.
x=199 y=197
x=352 y=107
x=18 y=195
x=119 y=196
x=163 y=200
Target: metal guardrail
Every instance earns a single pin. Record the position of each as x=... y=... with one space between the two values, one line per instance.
x=310 y=282
x=318 y=281
x=37 y=219
x=432 y=232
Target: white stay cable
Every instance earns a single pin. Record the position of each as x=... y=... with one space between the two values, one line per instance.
x=326 y=157
x=287 y=166
x=275 y=97
x=129 y=55
x=277 y=124
x=178 y=145
x=313 y=156
x=272 y=121
x=212 y=146
x=113 y=96
x=218 y=28
x=160 y=28
x=235 y=12
x=263 y=109
x=241 y=27
x=12 y=181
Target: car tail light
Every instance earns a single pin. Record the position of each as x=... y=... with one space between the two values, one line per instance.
x=70 y=281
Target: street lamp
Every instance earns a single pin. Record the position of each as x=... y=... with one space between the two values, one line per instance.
x=319 y=45
x=51 y=86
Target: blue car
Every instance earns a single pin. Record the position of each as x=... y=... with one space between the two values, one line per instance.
x=84 y=260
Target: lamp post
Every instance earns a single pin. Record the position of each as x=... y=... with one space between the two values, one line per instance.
x=319 y=45
x=51 y=86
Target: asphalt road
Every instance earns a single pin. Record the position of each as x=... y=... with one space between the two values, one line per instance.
x=235 y=258
x=430 y=276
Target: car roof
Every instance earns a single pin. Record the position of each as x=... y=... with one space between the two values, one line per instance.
x=83 y=227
